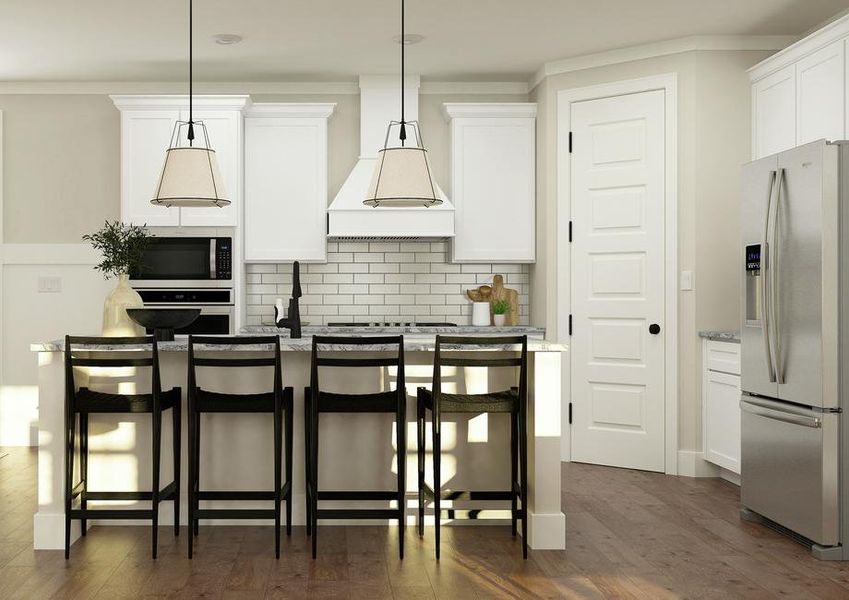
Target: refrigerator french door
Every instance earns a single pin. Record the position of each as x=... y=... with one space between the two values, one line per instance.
x=790 y=335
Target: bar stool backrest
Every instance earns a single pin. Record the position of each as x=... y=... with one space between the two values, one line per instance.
x=225 y=360
x=379 y=342
x=145 y=346
x=445 y=356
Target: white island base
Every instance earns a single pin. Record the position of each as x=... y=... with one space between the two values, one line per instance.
x=356 y=451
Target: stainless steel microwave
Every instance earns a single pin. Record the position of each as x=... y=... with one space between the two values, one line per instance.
x=186 y=260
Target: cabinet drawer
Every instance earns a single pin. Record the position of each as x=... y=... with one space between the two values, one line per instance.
x=723 y=357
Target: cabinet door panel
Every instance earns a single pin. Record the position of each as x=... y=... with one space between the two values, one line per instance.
x=774 y=108
x=285 y=189
x=493 y=176
x=722 y=420
x=225 y=137
x=820 y=88
x=144 y=140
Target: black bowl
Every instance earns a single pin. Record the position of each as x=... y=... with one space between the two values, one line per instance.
x=163 y=321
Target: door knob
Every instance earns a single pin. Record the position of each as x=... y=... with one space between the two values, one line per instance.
x=654 y=329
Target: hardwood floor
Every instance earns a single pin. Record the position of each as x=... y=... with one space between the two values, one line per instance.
x=629 y=535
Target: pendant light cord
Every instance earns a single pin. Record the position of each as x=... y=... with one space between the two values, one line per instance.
x=403 y=43
x=191 y=135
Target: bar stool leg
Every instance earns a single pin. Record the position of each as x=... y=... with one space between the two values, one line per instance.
x=278 y=447
x=314 y=478
x=437 y=480
x=157 y=439
x=401 y=441
x=84 y=468
x=420 y=446
x=176 y=434
x=190 y=482
x=196 y=481
x=289 y=434
x=307 y=454
x=523 y=457
x=514 y=467
x=69 y=480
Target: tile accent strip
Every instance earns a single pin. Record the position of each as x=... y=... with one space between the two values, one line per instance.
x=380 y=281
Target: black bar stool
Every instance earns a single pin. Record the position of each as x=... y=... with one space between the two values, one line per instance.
x=84 y=402
x=278 y=401
x=317 y=402
x=513 y=401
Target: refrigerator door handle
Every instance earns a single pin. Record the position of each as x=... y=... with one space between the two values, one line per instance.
x=775 y=284
x=764 y=277
x=780 y=415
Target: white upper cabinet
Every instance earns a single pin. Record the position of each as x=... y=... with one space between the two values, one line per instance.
x=147 y=124
x=286 y=182
x=493 y=181
x=801 y=94
x=774 y=112
x=820 y=86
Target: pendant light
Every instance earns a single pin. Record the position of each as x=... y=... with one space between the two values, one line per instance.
x=402 y=176
x=190 y=176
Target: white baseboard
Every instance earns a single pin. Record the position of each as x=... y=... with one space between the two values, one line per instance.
x=547 y=531
x=692 y=464
x=48 y=531
x=730 y=476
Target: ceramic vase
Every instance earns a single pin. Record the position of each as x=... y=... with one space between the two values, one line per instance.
x=116 y=322
x=499 y=320
x=480 y=314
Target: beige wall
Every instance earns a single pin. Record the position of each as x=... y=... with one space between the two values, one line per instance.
x=61 y=166
x=713 y=141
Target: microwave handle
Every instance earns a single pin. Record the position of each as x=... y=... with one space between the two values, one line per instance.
x=213 y=258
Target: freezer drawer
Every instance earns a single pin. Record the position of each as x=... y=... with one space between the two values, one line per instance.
x=789 y=467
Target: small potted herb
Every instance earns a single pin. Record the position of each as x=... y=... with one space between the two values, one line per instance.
x=500 y=308
x=121 y=246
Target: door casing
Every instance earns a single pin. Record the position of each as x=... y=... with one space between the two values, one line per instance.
x=669 y=84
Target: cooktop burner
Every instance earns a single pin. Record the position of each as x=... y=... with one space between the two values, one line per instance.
x=394 y=324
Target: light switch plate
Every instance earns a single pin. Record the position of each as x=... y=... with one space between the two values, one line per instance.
x=687 y=281
x=49 y=285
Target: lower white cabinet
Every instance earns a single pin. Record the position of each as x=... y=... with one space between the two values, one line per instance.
x=721 y=403
x=286 y=182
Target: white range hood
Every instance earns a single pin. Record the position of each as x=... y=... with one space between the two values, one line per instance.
x=347 y=216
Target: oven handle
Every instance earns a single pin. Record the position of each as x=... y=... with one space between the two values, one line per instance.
x=213 y=256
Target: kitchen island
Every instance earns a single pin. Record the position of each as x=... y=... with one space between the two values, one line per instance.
x=475 y=448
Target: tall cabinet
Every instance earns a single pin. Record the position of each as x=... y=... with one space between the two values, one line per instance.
x=801 y=94
x=147 y=124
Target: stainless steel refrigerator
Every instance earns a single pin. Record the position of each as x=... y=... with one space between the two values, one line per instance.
x=795 y=342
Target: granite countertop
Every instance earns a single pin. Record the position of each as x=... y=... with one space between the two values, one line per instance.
x=721 y=336
x=421 y=339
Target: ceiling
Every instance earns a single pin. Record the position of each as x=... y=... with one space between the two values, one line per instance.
x=291 y=40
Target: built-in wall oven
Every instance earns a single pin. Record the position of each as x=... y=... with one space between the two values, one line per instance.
x=186 y=262
x=216 y=304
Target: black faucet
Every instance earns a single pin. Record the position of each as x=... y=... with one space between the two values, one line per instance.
x=292 y=322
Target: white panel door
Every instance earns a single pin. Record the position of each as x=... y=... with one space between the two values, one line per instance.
x=618 y=281
x=285 y=189
x=774 y=107
x=225 y=137
x=145 y=135
x=820 y=89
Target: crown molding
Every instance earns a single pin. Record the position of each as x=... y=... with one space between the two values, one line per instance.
x=474 y=87
x=179 y=102
x=492 y=110
x=664 y=48
x=825 y=35
x=305 y=110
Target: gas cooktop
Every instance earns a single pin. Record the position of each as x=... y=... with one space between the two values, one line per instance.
x=394 y=324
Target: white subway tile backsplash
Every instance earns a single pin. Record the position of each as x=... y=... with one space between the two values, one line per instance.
x=373 y=281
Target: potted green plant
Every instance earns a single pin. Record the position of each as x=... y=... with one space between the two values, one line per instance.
x=121 y=246
x=500 y=308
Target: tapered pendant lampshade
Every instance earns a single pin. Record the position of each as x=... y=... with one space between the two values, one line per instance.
x=190 y=176
x=402 y=178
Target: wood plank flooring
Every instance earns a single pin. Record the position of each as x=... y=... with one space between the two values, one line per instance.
x=630 y=534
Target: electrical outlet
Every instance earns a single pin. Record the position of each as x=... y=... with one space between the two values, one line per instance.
x=49 y=285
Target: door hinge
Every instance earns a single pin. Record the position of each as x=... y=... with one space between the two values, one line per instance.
x=570 y=413
x=570 y=142
x=570 y=324
x=570 y=231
